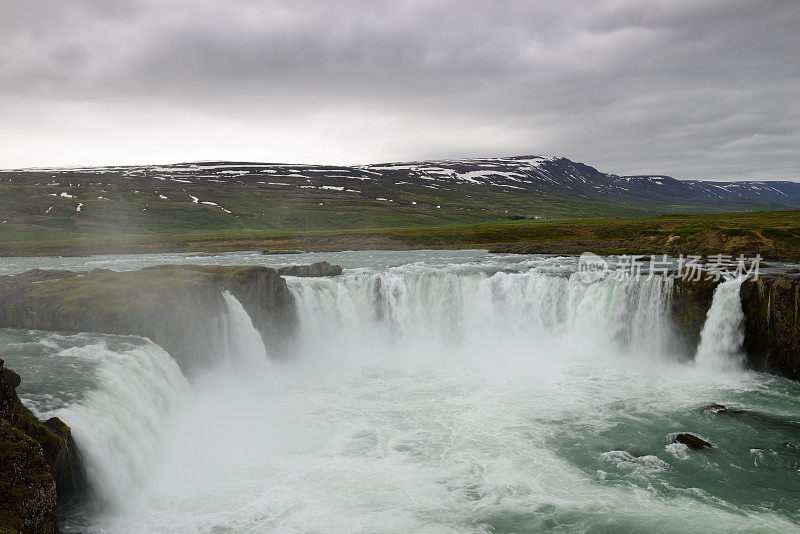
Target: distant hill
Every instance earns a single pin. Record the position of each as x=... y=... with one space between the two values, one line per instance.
x=219 y=195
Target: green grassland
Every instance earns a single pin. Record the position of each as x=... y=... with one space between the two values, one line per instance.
x=40 y=216
x=774 y=234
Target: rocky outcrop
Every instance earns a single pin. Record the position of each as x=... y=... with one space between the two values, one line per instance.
x=691 y=300
x=321 y=268
x=38 y=462
x=693 y=442
x=179 y=308
x=771 y=308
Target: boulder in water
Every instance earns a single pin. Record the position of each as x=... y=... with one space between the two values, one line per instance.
x=693 y=442
x=321 y=268
x=720 y=408
x=715 y=408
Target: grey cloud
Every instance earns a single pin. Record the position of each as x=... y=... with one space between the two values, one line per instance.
x=691 y=89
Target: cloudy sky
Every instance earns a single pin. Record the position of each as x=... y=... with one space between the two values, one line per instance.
x=690 y=88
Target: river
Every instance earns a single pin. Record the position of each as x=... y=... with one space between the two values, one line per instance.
x=427 y=391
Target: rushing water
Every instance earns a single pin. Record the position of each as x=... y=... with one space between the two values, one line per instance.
x=721 y=340
x=428 y=392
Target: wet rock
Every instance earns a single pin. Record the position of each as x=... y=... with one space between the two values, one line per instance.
x=321 y=268
x=715 y=408
x=28 y=499
x=693 y=442
x=771 y=307
x=9 y=377
x=691 y=300
x=721 y=408
x=793 y=271
x=29 y=452
x=64 y=459
x=277 y=251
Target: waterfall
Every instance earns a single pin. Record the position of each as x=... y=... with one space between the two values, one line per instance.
x=242 y=343
x=428 y=397
x=118 y=425
x=527 y=309
x=722 y=336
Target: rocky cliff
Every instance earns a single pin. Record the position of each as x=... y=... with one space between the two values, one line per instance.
x=180 y=308
x=691 y=300
x=38 y=461
x=771 y=308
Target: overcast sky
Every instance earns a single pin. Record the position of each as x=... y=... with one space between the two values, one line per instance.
x=693 y=89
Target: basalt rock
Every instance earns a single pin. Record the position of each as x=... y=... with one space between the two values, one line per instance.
x=715 y=408
x=322 y=268
x=38 y=463
x=179 y=307
x=691 y=300
x=10 y=377
x=720 y=408
x=28 y=500
x=771 y=308
x=693 y=442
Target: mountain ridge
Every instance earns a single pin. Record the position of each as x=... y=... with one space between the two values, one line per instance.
x=521 y=172
x=39 y=203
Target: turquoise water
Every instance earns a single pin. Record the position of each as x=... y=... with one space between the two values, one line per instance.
x=464 y=392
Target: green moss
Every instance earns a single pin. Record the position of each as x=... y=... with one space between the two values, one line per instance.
x=26 y=485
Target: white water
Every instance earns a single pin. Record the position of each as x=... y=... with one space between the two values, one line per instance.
x=520 y=311
x=242 y=344
x=119 y=424
x=427 y=399
x=721 y=339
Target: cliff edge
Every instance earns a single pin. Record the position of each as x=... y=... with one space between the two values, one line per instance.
x=179 y=307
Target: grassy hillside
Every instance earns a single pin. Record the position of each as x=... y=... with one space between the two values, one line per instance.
x=246 y=198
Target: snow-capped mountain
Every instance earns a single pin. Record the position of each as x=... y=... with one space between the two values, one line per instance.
x=533 y=177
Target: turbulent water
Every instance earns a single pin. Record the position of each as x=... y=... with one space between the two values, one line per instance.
x=427 y=392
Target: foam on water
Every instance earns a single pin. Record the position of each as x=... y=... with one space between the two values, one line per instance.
x=445 y=398
x=721 y=339
x=119 y=423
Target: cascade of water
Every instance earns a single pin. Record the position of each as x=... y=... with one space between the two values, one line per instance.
x=722 y=336
x=118 y=425
x=478 y=308
x=241 y=342
x=481 y=411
